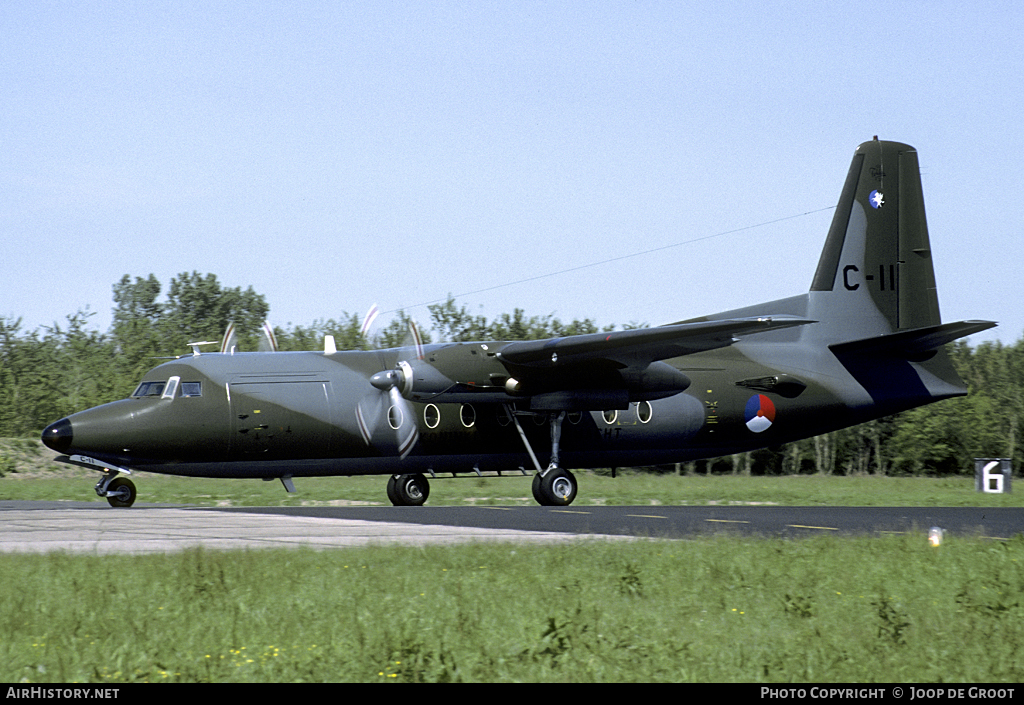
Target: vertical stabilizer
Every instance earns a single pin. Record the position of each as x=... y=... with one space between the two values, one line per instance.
x=877 y=258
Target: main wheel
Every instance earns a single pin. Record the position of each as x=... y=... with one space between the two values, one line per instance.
x=555 y=489
x=408 y=490
x=536 y=490
x=121 y=492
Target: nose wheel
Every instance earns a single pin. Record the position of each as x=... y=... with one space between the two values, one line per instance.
x=121 y=492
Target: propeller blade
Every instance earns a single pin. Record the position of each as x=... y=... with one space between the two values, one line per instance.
x=368 y=320
x=414 y=341
x=368 y=412
x=268 y=343
x=407 y=432
x=230 y=340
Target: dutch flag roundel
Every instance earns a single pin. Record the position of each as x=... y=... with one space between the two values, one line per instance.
x=759 y=413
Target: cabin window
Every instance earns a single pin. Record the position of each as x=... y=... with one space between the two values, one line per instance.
x=395 y=417
x=644 y=411
x=191 y=389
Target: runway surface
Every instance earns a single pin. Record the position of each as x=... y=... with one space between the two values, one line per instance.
x=92 y=527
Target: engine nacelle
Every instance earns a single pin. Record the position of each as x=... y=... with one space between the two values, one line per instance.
x=421 y=380
x=656 y=381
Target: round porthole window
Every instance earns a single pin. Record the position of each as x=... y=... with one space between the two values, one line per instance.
x=395 y=417
x=610 y=416
x=431 y=415
x=644 y=412
x=468 y=415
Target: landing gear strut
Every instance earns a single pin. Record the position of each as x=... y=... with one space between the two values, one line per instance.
x=554 y=486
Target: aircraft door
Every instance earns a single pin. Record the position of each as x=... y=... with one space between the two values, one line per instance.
x=280 y=419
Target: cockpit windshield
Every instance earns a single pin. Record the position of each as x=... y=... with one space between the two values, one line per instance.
x=150 y=389
x=169 y=389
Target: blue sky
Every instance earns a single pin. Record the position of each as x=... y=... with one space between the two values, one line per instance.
x=333 y=155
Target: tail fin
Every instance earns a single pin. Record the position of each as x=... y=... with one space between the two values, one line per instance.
x=874 y=289
x=877 y=253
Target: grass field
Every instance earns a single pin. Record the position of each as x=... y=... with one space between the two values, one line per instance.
x=889 y=609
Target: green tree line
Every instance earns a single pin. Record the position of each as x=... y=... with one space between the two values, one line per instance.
x=50 y=372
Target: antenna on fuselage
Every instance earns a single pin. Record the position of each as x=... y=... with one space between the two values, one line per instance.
x=195 y=346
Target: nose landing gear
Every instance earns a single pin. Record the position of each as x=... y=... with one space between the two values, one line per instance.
x=119 y=491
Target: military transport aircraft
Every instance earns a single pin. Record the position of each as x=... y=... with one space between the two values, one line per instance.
x=866 y=341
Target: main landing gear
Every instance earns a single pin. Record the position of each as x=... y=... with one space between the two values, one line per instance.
x=554 y=486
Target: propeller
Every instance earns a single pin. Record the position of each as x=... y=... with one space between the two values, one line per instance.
x=390 y=386
x=267 y=343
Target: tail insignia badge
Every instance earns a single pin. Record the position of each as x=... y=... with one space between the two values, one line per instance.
x=876 y=199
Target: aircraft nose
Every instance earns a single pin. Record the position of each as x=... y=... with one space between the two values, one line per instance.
x=58 y=436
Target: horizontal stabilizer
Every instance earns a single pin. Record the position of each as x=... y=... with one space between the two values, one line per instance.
x=912 y=344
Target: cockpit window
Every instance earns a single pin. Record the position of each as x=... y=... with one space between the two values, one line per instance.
x=150 y=389
x=169 y=388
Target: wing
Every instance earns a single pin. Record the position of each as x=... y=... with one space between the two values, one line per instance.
x=609 y=370
x=633 y=348
x=593 y=371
